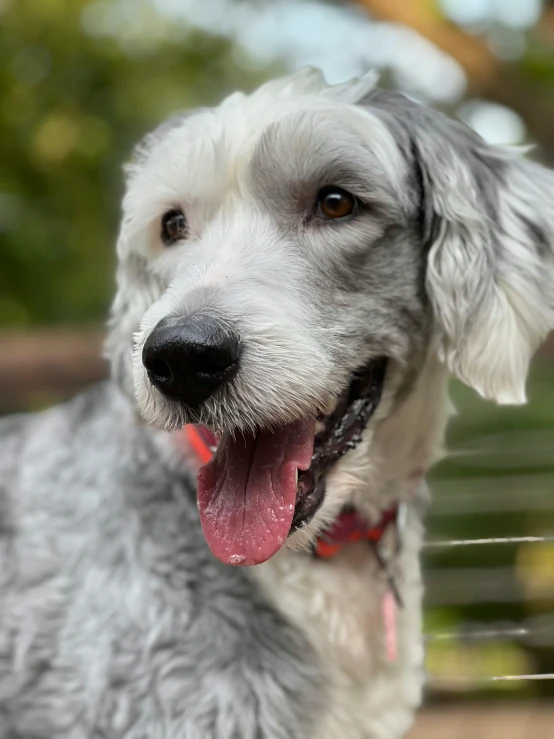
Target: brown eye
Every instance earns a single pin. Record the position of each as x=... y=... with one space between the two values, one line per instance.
x=334 y=203
x=174 y=227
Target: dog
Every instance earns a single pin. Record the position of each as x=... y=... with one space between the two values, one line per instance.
x=300 y=269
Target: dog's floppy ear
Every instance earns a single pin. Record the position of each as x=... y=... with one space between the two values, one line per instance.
x=488 y=218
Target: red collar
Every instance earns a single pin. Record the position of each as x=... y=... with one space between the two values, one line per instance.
x=347 y=528
x=202 y=442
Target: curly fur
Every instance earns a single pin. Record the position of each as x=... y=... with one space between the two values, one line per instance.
x=115 y=619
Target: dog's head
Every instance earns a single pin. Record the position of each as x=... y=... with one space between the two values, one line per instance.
x=290 y=256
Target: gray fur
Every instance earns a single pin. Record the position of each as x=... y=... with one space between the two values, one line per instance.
x=419 y=130
x=488 y=221
x=115 y=620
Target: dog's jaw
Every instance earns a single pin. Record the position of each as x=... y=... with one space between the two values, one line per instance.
x=260 y=486
x=340 y=431
x=337 y=603
x=401 y=442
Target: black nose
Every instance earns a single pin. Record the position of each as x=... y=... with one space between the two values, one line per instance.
x=188 y=359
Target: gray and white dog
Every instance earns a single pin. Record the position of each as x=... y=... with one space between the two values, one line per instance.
x=299 y=271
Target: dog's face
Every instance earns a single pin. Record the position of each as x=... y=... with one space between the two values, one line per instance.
x=287 y=256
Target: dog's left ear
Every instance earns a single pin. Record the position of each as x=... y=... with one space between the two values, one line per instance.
x=488 y=219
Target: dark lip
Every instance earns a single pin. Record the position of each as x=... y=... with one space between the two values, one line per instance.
x=342 y=433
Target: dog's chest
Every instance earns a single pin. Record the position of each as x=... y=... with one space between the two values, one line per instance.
x=338 y=606
x=336 y=603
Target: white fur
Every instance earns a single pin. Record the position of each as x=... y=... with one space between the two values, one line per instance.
x=488 y=283
x=338 y=603
x=490 y=286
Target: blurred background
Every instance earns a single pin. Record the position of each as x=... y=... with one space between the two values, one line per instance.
x=82 y=80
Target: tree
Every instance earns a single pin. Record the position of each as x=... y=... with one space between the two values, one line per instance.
x=74 y=100
x=525 y=85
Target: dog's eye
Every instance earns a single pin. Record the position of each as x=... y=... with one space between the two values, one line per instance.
x=334 y=203
x=174 y=227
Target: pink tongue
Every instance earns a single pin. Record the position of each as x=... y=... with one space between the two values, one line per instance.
x=247 y=492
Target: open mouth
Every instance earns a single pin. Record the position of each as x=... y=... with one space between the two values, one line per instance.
x=259 y=488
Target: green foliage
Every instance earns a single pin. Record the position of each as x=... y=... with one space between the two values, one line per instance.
x=72 y=106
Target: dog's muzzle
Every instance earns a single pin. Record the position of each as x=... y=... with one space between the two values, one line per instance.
x=188 y=359
x=265 y=482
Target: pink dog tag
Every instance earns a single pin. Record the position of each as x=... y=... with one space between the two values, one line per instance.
x=389 y=625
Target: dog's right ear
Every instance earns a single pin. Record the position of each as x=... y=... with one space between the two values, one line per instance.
x=488 y=220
